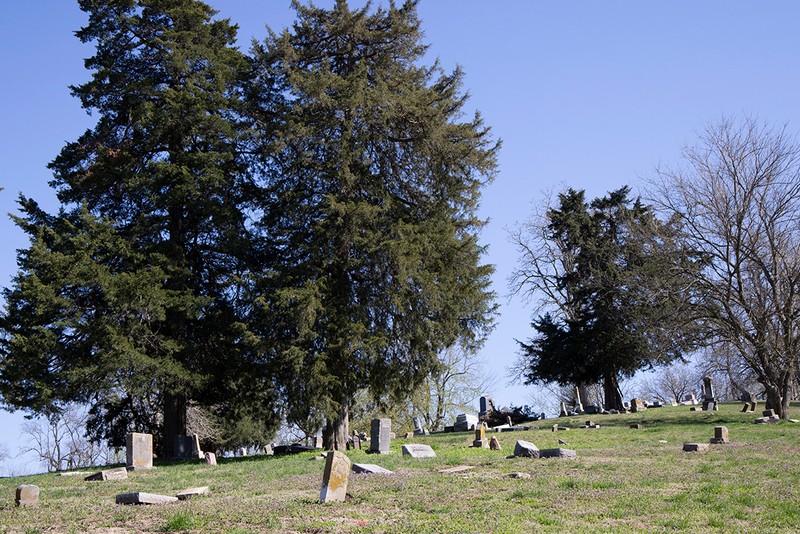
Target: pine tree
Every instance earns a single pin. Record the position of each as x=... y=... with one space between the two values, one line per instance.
x=372 y=186
x=130 y=297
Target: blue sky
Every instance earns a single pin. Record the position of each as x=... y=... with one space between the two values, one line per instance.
x=591 y=95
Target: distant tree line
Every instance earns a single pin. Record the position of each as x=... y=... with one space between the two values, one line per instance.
x=250 y=238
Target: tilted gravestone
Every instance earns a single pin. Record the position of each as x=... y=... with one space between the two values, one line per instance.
x=380 y=436
x=334 y=481
x=139 y=451
x=526 y=449
x=27 y=495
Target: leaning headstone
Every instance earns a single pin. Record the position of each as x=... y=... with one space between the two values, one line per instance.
x=695 y=447
x=557 y=453
x=371 y=469
x=526 y=449
x=196 y=452
x=27 y=495
x=637 y=405
x=379 y=435
x=141 y=497
x=578 y=400
x=138 y=451
x=480 y=437
x=494 y=444
x=415 y=450
x=334 y=481
x=117 y=473
x=563 y=412
x=356 y=442
x=211 y=458
x=720 y=435
x=192 y=492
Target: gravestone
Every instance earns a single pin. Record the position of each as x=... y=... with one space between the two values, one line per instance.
x=334 y=480
x=139 y=451
x=753 y=406
x=637 y=405
x=415 y=450
x=117 y=473
x=183 y=447
x=720 y=435
x=526 y=449
x=371 y=469
x=480 y=437
x=709 y=400
x=356 y=442
x=557 y=453
x=196 y=452
x=268 y=450
x=457 y=469
x=211 y=458
x=695 y=447
x=494 y=444
x=27 y=495
x=689 y=399
x=465 y=422
x=141 y=497
x=317 y=442
x=637 y=426
x=563 y=412
x=578 y=400
x=487 y=407
x=380 y=440
x=419 y=427
x=192 y=492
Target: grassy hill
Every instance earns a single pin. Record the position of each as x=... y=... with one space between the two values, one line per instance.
x=623 y=480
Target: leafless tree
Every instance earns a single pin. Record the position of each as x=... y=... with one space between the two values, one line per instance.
x=60 y=441
x=738 y=197
x=673 y=382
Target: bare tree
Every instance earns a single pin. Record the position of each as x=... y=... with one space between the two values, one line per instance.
x=738 y=197
x=673 y=382
x=60 y=441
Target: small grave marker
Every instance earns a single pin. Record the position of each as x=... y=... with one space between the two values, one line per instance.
x=526 y=449
x=27 y=495
x=695 y=447
x=720 y=435
x=334 y=480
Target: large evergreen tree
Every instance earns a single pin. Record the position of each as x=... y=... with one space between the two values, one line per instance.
x=621 y=300
x=129 y=297
x=372 y=185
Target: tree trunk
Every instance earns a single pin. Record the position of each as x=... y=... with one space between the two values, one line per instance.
x=174 y=423
x=334 y=435
x=611 y=392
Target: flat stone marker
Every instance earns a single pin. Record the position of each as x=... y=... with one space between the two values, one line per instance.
x=720 y=435
x=557 y=453
x=141 y=497
x=118 y=473
x=380 y=436
x=456 y=469
x=27 y=495
x=334 y=481
x=211 y=458
x=371 y=469
x=139 y=451
x=74 y=474
x=695 y=447
x=416 y=450
x=526 y=449
x=192 y=492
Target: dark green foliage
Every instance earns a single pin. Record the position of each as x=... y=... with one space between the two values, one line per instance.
x=373 y=181
x=129 y=297
x=627 y=306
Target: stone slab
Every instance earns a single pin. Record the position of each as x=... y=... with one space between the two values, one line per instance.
x=456 y=469
x=139 y=451
x=27 y=495
x=695 y=447
x=334 y=480
x=192 y=492
x=371 y=469
x=558 y=453
x=417 y=450
x=141 y=497
x=117 y=473
x=526 y=449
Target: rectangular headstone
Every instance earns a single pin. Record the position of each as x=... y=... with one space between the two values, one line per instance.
x=117 y=473
x=415 y=450
x=183 y=447
x=27 y=495
x=380 y=440
x=139 y=451
x=141 y=497
x=334 y=481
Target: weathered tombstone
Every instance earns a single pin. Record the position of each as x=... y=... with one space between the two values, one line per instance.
x=487 y=407
x=480 y=437
x=371 y=469
x=448 y=428
x=141 y=497
x=379 y=435
x=117 y=473
x=709 y=406
x=416 y=450
x=243 y=451
x=356 y=443
x=465 y=422
x=192 y=492
x=27 y=495
x=317 y=442
x=555 y=428
x=637 y=405
x=695 y=447
x=689 y=399
x=753 y=406
x=494 y=444
x=526 y=449
x=183 y=447
x=557 y=453
x=139 y=451
x=708 y=393
x=268 y=450
x=563 y=412
x=720 y=435
x=211 y=458
x=419 y=427
x=334 y=481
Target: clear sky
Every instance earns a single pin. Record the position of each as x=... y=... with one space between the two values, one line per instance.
x=591 y=95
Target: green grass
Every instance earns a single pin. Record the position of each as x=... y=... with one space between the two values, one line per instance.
x=624 y=480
